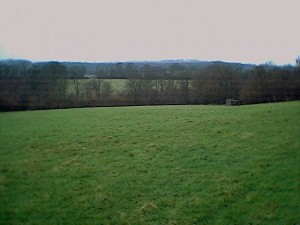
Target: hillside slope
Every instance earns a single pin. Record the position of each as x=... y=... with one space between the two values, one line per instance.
x=151 y=165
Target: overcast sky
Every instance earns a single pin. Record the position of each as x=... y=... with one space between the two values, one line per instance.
x=249 y=31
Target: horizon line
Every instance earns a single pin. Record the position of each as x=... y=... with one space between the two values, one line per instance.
x=270 y=62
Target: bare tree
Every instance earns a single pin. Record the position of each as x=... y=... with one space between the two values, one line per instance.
x=88 y=87
x=133 y=87
x=107 y=88
x=62 y=85
x=298 y=61
x=76 y=83
x=147 y=87
x=96 y=86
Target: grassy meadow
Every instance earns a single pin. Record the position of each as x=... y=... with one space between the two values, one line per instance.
x=151 y=165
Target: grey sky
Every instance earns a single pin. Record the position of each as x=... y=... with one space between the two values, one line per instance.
x=251 y=31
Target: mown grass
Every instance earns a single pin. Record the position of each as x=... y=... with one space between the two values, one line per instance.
x=151 y=165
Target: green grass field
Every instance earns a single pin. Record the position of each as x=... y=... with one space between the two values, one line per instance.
x=151 y=165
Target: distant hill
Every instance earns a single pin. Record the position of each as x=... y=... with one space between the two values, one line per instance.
x=177 y=68
x=94 y=67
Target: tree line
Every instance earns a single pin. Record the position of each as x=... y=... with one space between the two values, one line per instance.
x=25 y=85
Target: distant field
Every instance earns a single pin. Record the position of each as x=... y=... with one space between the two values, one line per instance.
x=151 y=165
x=118 y=85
